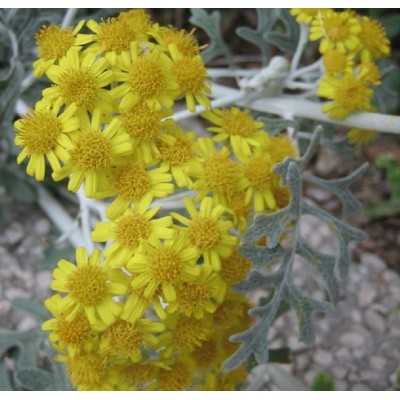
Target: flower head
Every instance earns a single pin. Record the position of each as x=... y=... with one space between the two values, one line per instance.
x=81 y=80
x=132 y=182
x=199 y=296
x=163 y=265
x=53 y=43
x=305 y=15
x=184 y=41
x=191 y=77
x=128 y=231
x=337 y=63
x=361 y=137
x=374 y=41
x=337 y=30
x=238 y=126
x=349 y=94
x=93 y=153
x=234 y=268
x=147 y=77
x=44 y=134
x=208 y=230
x=89 y=288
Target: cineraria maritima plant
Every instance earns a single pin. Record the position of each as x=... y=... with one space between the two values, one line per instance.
x=191 y=223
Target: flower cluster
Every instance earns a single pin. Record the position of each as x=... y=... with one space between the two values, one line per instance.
x=156 y=307
x=350 y=45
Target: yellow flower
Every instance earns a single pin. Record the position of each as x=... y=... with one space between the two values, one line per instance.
x=147 y=77
x=176 y=152
x=53 y=43
x=226 y=381
x=258 y=172
x=199 y=296
x=348 y=95
x=374 y=42
x=208 y=356
x=361 y=137
x=234 y=268
x=279 y=147
x=145 y=126
x=114 y=36
x=337 y=30
x=130 y=230
x=216 y=173
x=89 y=288
x=208 y=231
x=185 y=333
x=80 y=79
x=124 y=339
x=93 y=153
x=240 y=210
x=305 y=15
x=191 y=77
x=71 y=335
x=133 y=182
x=369 y=72
x=337 y=63
x=184 y=41
x=136 y=376
x=238 y=126
x=89 y=371
x=178 y=376
x=43 y=133
x=136 y=305
x=163 y=265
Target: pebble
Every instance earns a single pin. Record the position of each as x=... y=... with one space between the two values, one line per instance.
x=339 y=372
x=13 y=234
x=366 y=295
x=352 y=339
x=374 y=321
x=377 y=362
x=323 y=357
x=42 y=227
x=372 y=262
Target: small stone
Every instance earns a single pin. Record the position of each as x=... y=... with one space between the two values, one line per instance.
x=343 y=355
x=366 y=295
x=302 y=362
x=374 y=321
x=4 y=307
x=377 y=362
x=27 y=324
x=373 y=262
x=323 y=358
x=352 y=339
x=356 y=316
x=42 y=227
x=339 y=372
x=13 y=234
x=359 y=353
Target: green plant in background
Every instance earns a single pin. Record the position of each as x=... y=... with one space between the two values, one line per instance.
x=391 y=168
x=323 y=382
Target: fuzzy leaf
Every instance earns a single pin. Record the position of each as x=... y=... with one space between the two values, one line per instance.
x=34 y=378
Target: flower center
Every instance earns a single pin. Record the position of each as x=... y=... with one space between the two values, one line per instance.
x=177 y=153
x=87 y=370
x=92 y=151
x=123 y=338
x=176 y=378
x=221 y=175
x=206 y=354
x=190 y=74
x=88 y=285
x=142 y=123
x=237 y=123
x=114 y=35
x=79 y=87
x=146 y=77
x=132 y=181
x=192 y=295
x=73 y=332
x=336 y=27
x=54 y=42
x=259 y=172
x=352 y=94
x=131 y=229
x=335 y=62
x=166 y=264
x=190 y=332
x=203 y=233
x=39 y=132
x=234 y=268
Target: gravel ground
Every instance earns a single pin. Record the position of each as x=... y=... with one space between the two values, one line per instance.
x=359 y=344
